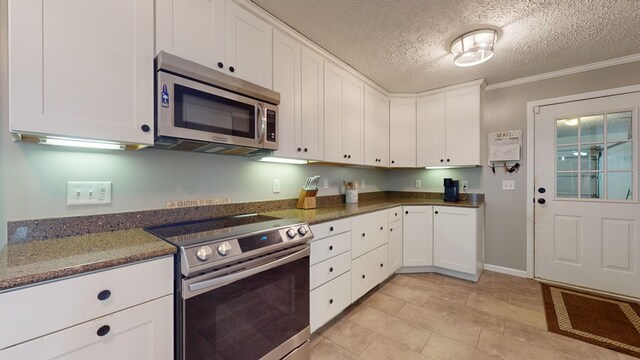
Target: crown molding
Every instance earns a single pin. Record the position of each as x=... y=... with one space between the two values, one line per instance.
x=565 y=72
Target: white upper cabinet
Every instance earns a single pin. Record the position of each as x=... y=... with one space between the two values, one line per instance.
x=298 y=77
x=82 y=69
x=343 y=116
x=448 y=128
x=216 y=33
x=402 y=133
x=376 y=128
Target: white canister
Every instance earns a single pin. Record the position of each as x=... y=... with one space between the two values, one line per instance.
x=351 y=196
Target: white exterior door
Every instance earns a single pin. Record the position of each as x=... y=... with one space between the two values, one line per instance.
x=587 y=215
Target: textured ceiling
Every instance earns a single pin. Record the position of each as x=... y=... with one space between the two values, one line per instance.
x=403 y=45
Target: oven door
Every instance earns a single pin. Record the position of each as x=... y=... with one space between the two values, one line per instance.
x=188 y=109
x=261 y=312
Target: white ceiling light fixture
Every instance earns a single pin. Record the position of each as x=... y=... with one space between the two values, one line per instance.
x=474 y=47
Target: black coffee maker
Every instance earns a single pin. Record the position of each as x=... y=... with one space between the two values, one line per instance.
x=451 y=190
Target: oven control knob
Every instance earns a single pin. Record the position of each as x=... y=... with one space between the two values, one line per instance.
x=204 y=253
x=291 y=233
x=224 y=248
x=302 y=230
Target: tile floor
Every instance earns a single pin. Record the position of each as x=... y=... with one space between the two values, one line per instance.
x=431 y=316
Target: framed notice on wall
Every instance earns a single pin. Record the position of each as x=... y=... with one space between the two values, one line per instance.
x=505 y=146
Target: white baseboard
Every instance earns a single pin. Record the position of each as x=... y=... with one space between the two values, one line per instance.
x=505 y=270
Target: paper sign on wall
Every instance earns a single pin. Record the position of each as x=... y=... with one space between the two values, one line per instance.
x=505 y=145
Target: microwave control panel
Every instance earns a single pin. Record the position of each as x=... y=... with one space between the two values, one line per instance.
x=271 y=125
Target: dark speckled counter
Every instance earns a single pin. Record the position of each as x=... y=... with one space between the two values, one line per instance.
x=36 y=261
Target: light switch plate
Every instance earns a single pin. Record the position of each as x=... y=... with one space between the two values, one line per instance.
x=88 y=193
x=364 y=185
x=508 y=185
x=418 y=183
x=326 y=183
x=276 y=186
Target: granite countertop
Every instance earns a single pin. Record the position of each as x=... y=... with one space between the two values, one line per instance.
x=36 y=261
x=338 y=211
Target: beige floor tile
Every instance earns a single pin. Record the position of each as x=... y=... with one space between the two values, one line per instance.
x=391 y=327
x=440 y=347
x=626 y=357
x=385 y=303
x=384 y=349
x=507 y=311
x=428 y=277
x=450 y=294
x=479 y=318
x=399 y=279
x=414 y=296
x=350 y=336
x=526 y=301
x=316 y=339
x=512 y=349
x=560 y=344
x=327 y=350
x=445 y=324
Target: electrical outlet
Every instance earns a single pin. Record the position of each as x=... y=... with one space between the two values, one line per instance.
x=418 y=183
x=509 y=185
x=325 y=183
x=276 y=186
x=88 y=192
x=364 y=185
x=464 y=184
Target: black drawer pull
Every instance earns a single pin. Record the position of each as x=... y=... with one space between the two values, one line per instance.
x=331 y=228
x=364 y=276
x=396 y=214
x=381 y=264
x=330 y=269
x=104 y=295
x=330 y=301
x=232 y=69
x=436 y=212
x=381 y=227
x=363 y=234
x=220 y=65
x=103 y=330
x=406 y=212
x=391 y=229
x=145 y=128
x=330 y=247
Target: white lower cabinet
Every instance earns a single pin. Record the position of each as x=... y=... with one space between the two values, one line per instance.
x=329 y=300
x=329 y=269
x=395 y=246
x=457 y=238
x=368 y=271
x=369 y=231
x=417 y=237
x=138 y=333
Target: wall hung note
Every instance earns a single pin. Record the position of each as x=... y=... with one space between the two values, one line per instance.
x=504 y=149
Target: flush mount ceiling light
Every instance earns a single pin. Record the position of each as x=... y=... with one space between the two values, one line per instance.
x=474 y=47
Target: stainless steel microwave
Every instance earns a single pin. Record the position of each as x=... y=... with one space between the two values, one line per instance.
x=201 y=109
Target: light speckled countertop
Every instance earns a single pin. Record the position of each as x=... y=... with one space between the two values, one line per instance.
x=42 y=260
x=333 y=212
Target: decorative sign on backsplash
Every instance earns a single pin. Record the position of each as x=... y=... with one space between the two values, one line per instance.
x=175 y=204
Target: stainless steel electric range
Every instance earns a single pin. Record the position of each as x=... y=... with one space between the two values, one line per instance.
x=242 y=287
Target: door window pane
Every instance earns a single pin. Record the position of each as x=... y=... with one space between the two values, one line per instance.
x=567 y=185
x=592 y=185
x=620 y=156
x=591 y=157
x=620 y=185
x=619 y=126
x=567 y=131
x=567 y=158
x=592 y=129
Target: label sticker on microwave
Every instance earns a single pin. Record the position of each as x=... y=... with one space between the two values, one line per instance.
x=165 y=96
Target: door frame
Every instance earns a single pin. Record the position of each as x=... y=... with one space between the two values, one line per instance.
x=533 y=108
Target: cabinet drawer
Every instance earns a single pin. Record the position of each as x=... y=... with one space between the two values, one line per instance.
x=330 y=228
x=329 y=247
x=368 y=271
x=368 y=232
x=143 y=332
x=395 y=214
x=329 y=300
x=46 y=308
x=329 y=269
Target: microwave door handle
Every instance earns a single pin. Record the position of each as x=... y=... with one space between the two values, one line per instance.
x=262 y=114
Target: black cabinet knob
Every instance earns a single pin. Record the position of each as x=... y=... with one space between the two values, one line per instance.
x=231 y=68
x=330 y=247
x=145 y=128
x=448 y=160
x=299 y=149
x=396 y=214
x=381 y=227
x=436 y=212
x=345 y=156
x=381 y=264
x=104 y=295
x=393 y=161
x=391 y=229
x=331 y=228
x=441 y=160
x=541 y=201
x=330 y=301
x=103 y=330
x=363 y=234
x=363 y=276
x=220 y=65
x=406 y=212
x=349 y=156
x=330 y=269
x=305 y=149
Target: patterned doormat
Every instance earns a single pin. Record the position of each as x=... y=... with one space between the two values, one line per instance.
x=593 y=318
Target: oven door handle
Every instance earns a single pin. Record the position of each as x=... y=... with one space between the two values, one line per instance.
x=215 y=283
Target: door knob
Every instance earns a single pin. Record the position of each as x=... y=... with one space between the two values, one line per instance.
x=541 y=201
x=542 y=190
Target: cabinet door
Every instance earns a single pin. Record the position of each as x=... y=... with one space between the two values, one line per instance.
x=368 y=232
x=395 y=246
x=286 y=81
x=368 y=271
x=455 y=238
x=312 y=121
x=82 y=69
x=403 y=133
x=193 y=30
x=417 y=236
x=248 y=45
x=329 y=300
x=431 y=131
x=382 y=131
x=376 y=128
x=334 y=80
x=463 y=126
x=354 y=120
x=141 y=332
